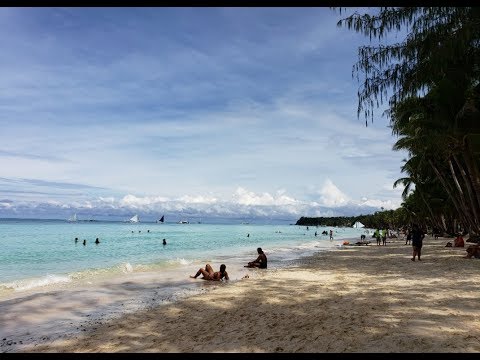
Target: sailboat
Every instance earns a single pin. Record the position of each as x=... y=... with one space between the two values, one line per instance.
x=134 y=219
x=162 y=219
x=73 y=218
x=182 y=221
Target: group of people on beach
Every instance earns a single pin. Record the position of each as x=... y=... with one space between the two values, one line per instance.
x=209 y=274
x=380 y=236
x=416 y=236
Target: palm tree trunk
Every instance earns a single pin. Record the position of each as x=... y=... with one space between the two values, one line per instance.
x=473 y=199
x=456 y=204
x=466 y=210
x=432 y=215
x=472 y=167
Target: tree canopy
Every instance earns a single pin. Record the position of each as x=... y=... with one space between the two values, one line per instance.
x=431 y=82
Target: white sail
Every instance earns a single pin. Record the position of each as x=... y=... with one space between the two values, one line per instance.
x=134 y=219
x=73 y=218
x=358 y=224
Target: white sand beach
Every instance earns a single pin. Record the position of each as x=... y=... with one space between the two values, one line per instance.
x=356 y=299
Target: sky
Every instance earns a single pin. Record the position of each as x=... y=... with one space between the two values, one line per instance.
x=187 y=112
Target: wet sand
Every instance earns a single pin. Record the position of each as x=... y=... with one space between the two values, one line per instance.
x=355 y=299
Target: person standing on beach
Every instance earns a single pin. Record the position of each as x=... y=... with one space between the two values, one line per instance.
x=384 y=237
x=331 y=234
x=209 y=274
x=376 y=234
x=417 y=241
x=409 y=237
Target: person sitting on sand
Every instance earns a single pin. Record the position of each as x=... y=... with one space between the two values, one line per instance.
x=260 y=261
x=473 y=251
x=459 y=241
x=209 y=274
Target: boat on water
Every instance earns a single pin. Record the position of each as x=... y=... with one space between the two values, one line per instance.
x=73 y=218
x=183 y=222
x=162 y=219
x=134 y=219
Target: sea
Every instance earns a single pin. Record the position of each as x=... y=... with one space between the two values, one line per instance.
x=52 y=286
x=39 y=255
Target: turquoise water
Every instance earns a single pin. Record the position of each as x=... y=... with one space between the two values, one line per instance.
x=37 y=253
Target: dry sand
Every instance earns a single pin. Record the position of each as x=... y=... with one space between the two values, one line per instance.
x=356 y=299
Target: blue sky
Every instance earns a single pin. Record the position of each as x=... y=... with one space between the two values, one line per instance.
x=248 y=112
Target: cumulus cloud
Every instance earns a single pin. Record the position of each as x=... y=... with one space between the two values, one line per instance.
x=330 y=195
x=242 y=203
x=198 y=199
x=245 y=197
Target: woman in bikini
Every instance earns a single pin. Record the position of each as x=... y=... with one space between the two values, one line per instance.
x=209 y=274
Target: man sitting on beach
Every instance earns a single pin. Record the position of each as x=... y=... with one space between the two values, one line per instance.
x=209 y=274
x=459 y=241
x=473 y=251
x=260 y=262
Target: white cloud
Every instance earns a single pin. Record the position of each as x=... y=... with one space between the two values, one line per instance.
x=188 y=199
x=330 y=195
x=217 y=111
x=245 y=197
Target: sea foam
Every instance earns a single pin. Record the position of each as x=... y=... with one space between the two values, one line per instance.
x=127 y=268
x=27 y=284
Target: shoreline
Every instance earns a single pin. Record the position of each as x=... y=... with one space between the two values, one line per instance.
x=44 y=314
x=350 y=299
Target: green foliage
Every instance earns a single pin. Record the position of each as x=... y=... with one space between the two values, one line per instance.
x=431 y=79
x=442 y=46
x=393 y=219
